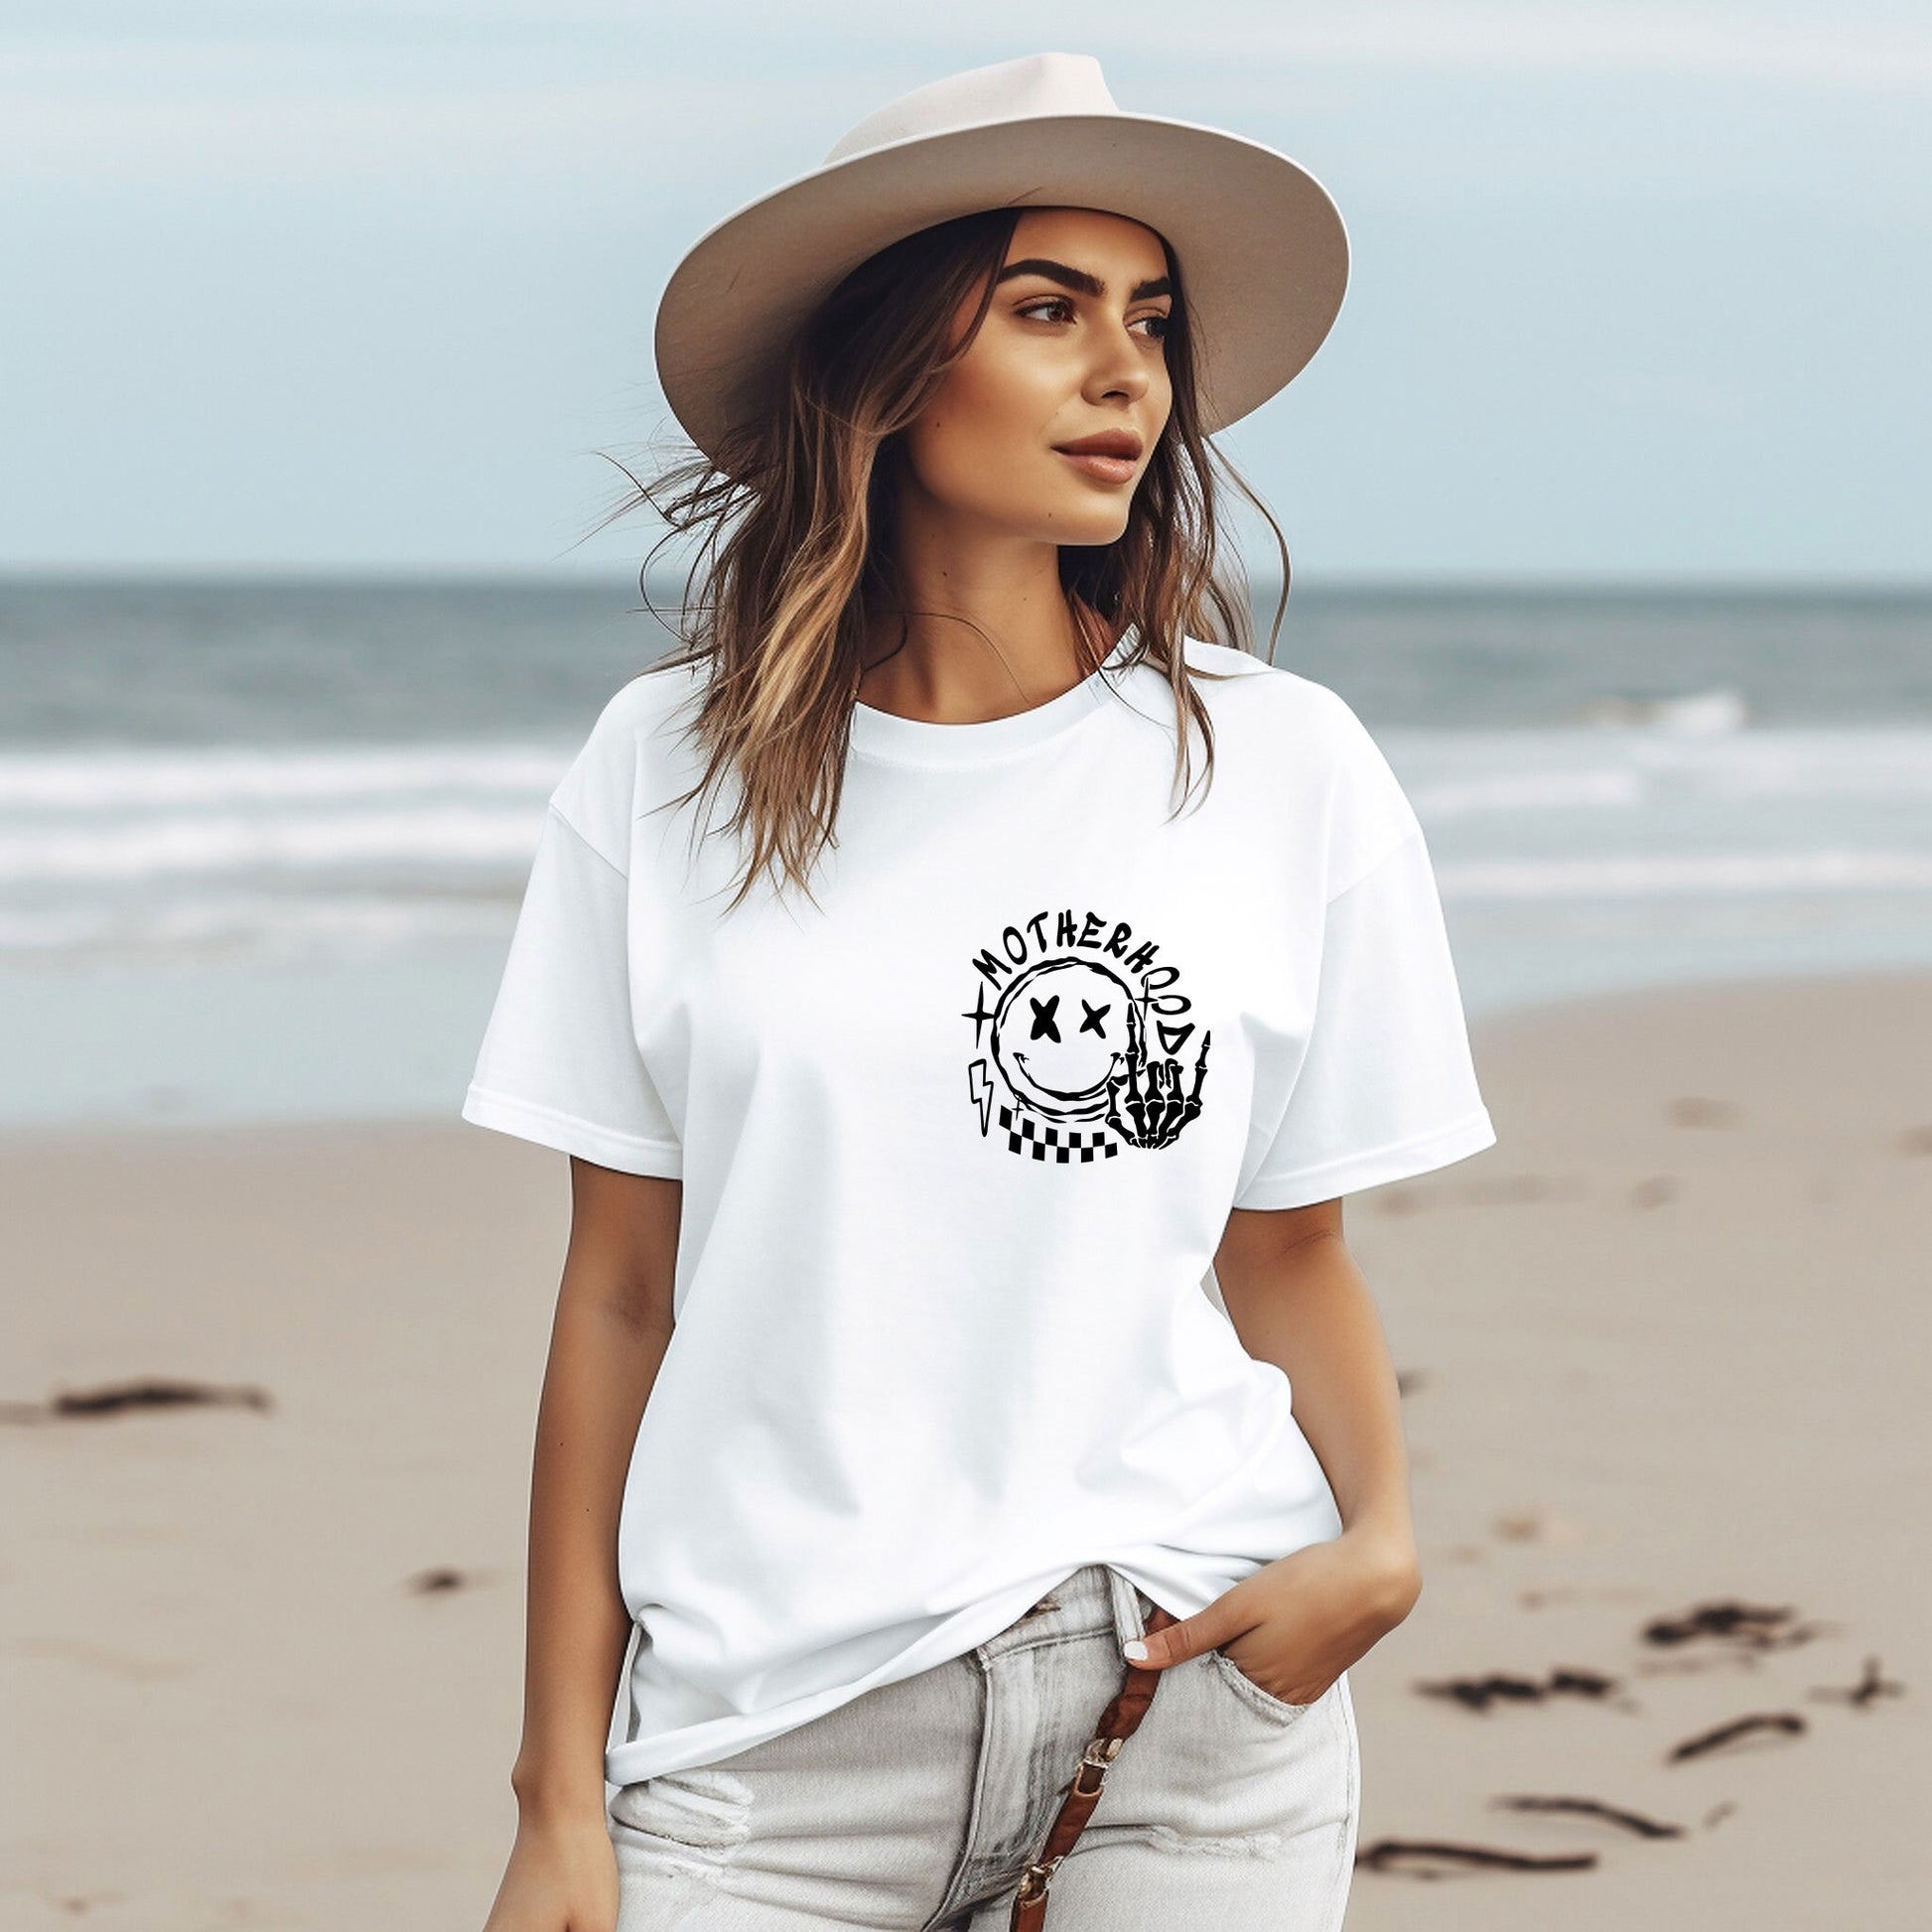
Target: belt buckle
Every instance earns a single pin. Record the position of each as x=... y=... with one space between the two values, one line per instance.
x=1035 y=1878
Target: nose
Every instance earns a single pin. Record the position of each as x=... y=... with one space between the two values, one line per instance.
x=1119 y=365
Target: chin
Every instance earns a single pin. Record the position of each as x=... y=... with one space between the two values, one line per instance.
x=1091 y=536
x=1085 y=523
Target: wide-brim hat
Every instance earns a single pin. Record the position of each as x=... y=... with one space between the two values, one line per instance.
x=1263 y=254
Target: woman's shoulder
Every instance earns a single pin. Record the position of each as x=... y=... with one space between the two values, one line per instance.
x=653 y=704
x=631 y=751
x=1314 y=760
x=1240 y=684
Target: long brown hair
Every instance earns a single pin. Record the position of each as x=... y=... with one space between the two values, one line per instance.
x=796 y=564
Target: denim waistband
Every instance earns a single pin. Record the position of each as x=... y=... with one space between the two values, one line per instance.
x=1094 y=1599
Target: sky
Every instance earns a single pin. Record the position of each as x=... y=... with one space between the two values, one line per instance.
x=1637 y=292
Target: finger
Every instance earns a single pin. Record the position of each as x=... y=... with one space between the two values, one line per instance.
x=1171 y=1100
x=1191 y=1636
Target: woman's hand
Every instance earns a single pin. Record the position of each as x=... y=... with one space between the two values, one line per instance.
x=561 y=1876
x=1296 y=1623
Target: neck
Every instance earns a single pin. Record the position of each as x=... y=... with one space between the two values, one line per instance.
x=988 y=628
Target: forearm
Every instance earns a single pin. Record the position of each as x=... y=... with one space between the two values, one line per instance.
x=1304 y=1304
x=602 y=1365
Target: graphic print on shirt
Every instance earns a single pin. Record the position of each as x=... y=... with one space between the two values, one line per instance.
x=1082 y=1042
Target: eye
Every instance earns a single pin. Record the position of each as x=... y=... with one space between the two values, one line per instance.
x=1044 y=302
x=1064 y=304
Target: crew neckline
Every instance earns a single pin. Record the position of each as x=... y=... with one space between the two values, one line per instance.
x=900 y=740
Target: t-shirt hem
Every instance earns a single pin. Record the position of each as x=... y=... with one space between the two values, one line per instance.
x=1398 y=1161
x=605 y=1147
x=636 y=1759
x=633 y=1759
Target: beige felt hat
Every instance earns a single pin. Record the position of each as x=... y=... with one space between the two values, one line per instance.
x=1260 y=242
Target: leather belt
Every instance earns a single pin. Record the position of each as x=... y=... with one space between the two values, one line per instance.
x=1117 y=1724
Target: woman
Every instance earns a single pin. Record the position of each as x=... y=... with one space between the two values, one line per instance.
x=888 y=1404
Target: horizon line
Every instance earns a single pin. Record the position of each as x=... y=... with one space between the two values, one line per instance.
x=1394 y=580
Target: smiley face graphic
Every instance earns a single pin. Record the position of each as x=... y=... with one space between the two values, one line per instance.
x=1058 y=1031
x=1091 y=1035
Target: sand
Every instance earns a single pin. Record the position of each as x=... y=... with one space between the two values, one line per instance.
x=1664 y=1347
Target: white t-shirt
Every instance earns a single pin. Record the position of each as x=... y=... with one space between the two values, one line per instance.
x=957 y=1147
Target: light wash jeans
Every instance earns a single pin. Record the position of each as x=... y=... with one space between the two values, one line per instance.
x=915 y=1806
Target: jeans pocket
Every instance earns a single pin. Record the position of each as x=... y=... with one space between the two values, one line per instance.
x=703 y=1811
x=1279 y=1710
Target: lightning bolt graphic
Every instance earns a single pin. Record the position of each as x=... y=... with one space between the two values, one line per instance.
x=980 y=1088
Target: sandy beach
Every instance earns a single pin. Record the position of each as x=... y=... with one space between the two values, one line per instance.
x=1663 y=1351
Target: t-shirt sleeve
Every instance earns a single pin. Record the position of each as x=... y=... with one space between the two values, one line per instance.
x=560 y=1063
x=1386 y=1088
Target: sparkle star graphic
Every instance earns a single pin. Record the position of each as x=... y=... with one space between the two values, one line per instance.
x=980 y=1013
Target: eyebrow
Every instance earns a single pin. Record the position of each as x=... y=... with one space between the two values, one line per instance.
x=1078 y=278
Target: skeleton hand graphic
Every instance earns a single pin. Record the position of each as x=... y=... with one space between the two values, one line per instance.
x=1145 y=1104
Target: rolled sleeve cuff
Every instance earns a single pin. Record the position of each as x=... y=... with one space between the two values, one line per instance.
x=1351 y=1173
x=604 y=1146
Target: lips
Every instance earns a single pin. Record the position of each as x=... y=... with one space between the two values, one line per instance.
x=1108 y=441
x=1110 y=457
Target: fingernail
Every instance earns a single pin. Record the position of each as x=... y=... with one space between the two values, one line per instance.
x=1135 y=1652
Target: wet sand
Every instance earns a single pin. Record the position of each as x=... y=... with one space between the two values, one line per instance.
x=1663 y=1350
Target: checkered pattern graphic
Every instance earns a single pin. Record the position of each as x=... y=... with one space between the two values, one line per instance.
x=1025 y=1135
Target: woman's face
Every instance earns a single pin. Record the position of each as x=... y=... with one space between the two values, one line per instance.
x=1070 y=349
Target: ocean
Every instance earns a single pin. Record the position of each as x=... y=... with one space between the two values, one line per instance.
x=262 y=842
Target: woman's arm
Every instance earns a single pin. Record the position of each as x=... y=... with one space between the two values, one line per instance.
x=1296 y=1298
x=612 y=1328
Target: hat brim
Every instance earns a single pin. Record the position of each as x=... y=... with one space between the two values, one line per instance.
x=1260 y=242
